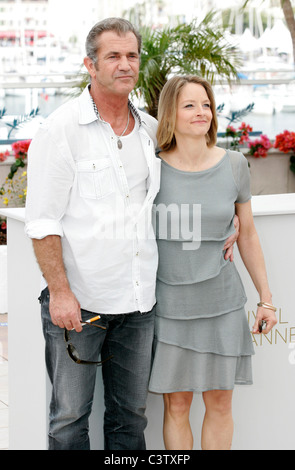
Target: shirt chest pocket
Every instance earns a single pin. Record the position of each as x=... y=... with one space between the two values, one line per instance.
x=95 y=178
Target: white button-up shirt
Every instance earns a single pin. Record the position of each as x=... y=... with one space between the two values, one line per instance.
x=78 y=189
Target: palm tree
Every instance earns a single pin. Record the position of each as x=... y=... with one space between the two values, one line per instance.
x=185 y=49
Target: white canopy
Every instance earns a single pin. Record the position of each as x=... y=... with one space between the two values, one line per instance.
x=247 y=42
x=278 y=37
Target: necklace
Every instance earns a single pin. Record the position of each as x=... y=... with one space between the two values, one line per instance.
x=119 y=141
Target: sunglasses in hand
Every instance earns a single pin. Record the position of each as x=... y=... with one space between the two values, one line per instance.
x=71 y=349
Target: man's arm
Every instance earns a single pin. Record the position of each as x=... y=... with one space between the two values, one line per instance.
x=230 y=241
x=64 y=308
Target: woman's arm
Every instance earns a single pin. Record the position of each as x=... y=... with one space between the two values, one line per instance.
x=252 y=256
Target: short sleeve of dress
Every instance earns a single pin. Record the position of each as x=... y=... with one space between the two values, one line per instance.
x=244 y=194
x=241 y=174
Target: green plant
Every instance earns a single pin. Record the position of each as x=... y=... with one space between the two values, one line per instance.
x=17 y=122
x=239 y=136
x=194 y=48
x=20 y=150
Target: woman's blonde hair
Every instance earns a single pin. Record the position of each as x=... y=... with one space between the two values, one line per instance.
x=167 y=110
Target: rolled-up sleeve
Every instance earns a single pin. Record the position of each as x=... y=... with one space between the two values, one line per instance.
x=50 y=179
x=42 y=228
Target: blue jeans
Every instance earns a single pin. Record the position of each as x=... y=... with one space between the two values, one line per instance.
x=128 y=338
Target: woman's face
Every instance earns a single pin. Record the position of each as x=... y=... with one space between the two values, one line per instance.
x=194 y=115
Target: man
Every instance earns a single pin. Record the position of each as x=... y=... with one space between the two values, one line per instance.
x=93 y=176
x=92 y=180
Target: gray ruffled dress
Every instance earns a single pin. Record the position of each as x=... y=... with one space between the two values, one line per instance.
x=202 y=337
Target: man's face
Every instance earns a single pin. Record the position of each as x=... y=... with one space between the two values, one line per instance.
x=117 y=67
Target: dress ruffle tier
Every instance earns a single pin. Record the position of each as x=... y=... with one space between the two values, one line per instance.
x=198 y=348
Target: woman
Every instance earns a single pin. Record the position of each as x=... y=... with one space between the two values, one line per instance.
x=203 y=343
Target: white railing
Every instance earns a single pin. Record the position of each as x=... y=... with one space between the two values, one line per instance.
x=46 y=80
x=72 y=79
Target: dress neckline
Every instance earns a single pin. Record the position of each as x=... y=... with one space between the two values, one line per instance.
x=195 y=172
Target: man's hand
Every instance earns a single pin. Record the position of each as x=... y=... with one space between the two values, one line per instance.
x=65 y=310
x=229 y=243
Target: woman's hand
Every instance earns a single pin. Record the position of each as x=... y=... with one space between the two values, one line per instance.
x=268 y=316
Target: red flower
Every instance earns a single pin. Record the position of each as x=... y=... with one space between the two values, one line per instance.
x=20 y=149
x=259 y=147
x=244 y=138
x=3 y=226
x=3 y=156
x=242 y=133
x=244 y=130
x=285 y=142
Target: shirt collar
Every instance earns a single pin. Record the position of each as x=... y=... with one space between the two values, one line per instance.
x=86 y=111
x=130 y=105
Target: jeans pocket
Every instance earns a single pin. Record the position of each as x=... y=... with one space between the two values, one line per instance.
x=44 y=296
x=44 y=299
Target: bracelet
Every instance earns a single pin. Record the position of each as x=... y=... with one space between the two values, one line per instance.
x=266 y=305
